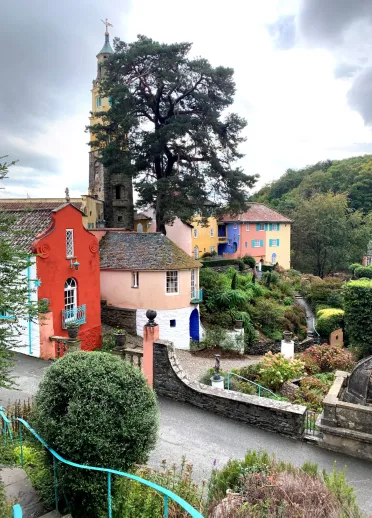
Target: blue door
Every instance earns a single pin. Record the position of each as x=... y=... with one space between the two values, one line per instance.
x=194 y=325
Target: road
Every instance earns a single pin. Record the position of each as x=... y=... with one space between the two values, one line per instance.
x=204 y=437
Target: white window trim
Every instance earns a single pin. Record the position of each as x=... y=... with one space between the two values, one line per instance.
x=247 y=227
x=73 y=291
x=70 y=254
x=196 y=249
x=274 y=242
x=213 y=249
x=178 y=283
x=255 y=245
x=212 y=232
x=235 y=226
x=262 y=229
x=275 y=226
x=135 y=279
x=195 y=232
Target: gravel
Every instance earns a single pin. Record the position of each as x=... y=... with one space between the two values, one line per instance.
x=196 y=366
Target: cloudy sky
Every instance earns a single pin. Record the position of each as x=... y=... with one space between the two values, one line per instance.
x=303 y=70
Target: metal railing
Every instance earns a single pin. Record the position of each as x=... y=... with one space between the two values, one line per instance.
x=310 y=422
x=260 y=388
x=17 y=511
x=74 y=315
x=316 y=332
x=197 y=295
x=6 y=426
x=167 y=494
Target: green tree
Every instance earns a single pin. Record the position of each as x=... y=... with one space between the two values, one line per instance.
x=327 y=235
x=15 y=306
x=95 y=409
x=169 y=128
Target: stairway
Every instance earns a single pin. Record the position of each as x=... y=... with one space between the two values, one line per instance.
x=19 y=490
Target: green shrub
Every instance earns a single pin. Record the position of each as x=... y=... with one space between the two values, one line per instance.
x=219 y=338
x=249 y=260
x=288 y=301
x=270 y=277
x=241 y=266
x=358 y=322
x=353 y=267
x=133 y=499
x=219 y=262
x=95 y=409
x=267 y=268
x=363 y=272
x=251 y=337
x=312 y=391
x=276 y=369
x=328 y=320
x=326 y=291
x=329 y=357
x=5 y=508
x=268 y=315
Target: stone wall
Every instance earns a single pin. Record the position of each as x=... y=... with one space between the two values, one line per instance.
x=118 y=317
x=263 y=347
x=272 y=415
x=346 y=427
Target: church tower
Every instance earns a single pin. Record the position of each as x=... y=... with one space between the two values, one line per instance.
x=115 y=190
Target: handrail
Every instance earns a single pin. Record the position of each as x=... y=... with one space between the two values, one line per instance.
x=17 y=511
x=260 y=387
x=315 y=328
x=166 y=492
x=7 y=425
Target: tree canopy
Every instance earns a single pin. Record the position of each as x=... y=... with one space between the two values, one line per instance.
x=170 y=128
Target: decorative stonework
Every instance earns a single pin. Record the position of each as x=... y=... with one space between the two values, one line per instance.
x=94 y=246
x=43 y=250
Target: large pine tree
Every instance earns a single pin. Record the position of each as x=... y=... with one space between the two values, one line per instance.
x=170 y=128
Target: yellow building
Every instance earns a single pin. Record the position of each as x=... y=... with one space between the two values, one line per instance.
x=278 y=244
x=204 y=238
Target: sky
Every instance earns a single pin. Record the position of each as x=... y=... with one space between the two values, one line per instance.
x=303 y=71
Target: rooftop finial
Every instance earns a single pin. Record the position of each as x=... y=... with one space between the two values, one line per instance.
x=67 y=191
x=108 y=24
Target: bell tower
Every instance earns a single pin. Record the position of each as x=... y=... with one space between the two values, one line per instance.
x=114 y=189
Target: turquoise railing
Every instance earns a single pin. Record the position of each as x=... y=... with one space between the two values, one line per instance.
x=17 y=511
x=74 y=315
x=197 y=295
x=7 y=426
x=167 y=495
x=259 y=387
x=317 y=334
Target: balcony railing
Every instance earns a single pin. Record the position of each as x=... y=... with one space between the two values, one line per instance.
x=74 y=315
x=222 y=239
x=196 y=296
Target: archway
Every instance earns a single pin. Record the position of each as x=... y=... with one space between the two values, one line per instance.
x=194 y=325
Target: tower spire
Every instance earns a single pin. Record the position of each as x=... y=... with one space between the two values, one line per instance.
x=106 y=49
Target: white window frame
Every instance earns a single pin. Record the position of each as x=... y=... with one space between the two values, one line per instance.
x=246 y=244
x=195 y=232
x=262 y=227
x=235 y=226
x=70 y=296
x=247 y=227
x=212 y=249
x=135 y=280
x=255 y=245
x=274 y=242
x=212 y=232
x=193 y=281
x=274 y=226
x=172 y=282
x=196 y=252
x=70 y=249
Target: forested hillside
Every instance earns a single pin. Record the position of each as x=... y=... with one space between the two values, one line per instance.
x=331 y=205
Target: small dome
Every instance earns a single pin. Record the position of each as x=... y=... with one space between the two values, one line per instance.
x=106 y=49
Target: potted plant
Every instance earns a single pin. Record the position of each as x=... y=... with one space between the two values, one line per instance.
x=72 y=329
x=120 y=336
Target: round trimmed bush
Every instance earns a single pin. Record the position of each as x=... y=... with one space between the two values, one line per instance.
x=363 y=272
x=95 y=409
x=328 y=320
x=249 y=260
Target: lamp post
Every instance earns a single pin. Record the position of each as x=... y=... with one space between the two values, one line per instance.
x=74 y=265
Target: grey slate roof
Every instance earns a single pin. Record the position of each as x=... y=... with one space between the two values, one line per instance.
x=142 y=251
x=27 y=224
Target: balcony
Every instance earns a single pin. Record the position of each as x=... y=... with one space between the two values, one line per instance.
x=222 y=239
x=74 y=315
x=196 y=296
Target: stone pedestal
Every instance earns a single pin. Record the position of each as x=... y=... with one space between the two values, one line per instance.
x=287 y=349
x=150 y=335
x=218 y=382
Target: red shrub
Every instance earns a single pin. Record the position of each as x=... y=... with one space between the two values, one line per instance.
x=328 y=357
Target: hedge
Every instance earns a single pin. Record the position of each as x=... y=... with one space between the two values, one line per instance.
x=358 y=321
x=219 y=262
x=363 y=272
x=328 y=320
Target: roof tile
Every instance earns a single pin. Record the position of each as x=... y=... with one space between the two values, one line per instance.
x=258 y=212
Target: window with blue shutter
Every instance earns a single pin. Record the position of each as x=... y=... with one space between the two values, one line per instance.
x=278 y=226
x=261 y=242
x=257 y=226
x=270 y=242
x=277 y=242
x=252 y=243
x=271 y=226
x=266 y=226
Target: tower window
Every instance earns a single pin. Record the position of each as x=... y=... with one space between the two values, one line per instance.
x=120 y=219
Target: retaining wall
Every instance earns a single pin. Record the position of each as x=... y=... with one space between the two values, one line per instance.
x=272 y=415
x=119 y=317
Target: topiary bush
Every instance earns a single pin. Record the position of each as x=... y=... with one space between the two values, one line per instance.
x=249 y=260
x=95 y=409
x=358 y=322
x=328 y=320
x=363 y=272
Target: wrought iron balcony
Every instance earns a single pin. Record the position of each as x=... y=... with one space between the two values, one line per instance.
x=74 y=315
x=197 y=296
x=222 y=239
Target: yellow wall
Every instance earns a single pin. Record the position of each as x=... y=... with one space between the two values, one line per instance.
x=283 y=251
x=105 y=106
x=204 y=241
x=145 y=224
x=93 y=210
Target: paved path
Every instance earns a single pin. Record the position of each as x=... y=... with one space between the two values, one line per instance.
x=309 y=312
x=204 y=437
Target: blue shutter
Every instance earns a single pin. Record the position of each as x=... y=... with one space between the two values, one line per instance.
x=277 y=242
x=271 y=226
x=261 y=242
x=266 y=226
x=257 y=226
x=252 y=243
x=270 y=242
x=278 y=226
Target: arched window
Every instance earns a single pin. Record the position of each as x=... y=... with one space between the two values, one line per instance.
x=196 y=252
x=235 y=247
x=273 y=259
x=70 y=297
x=139 y=227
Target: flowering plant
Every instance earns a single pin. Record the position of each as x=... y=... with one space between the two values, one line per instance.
x=276 y=369
x=329 y=357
